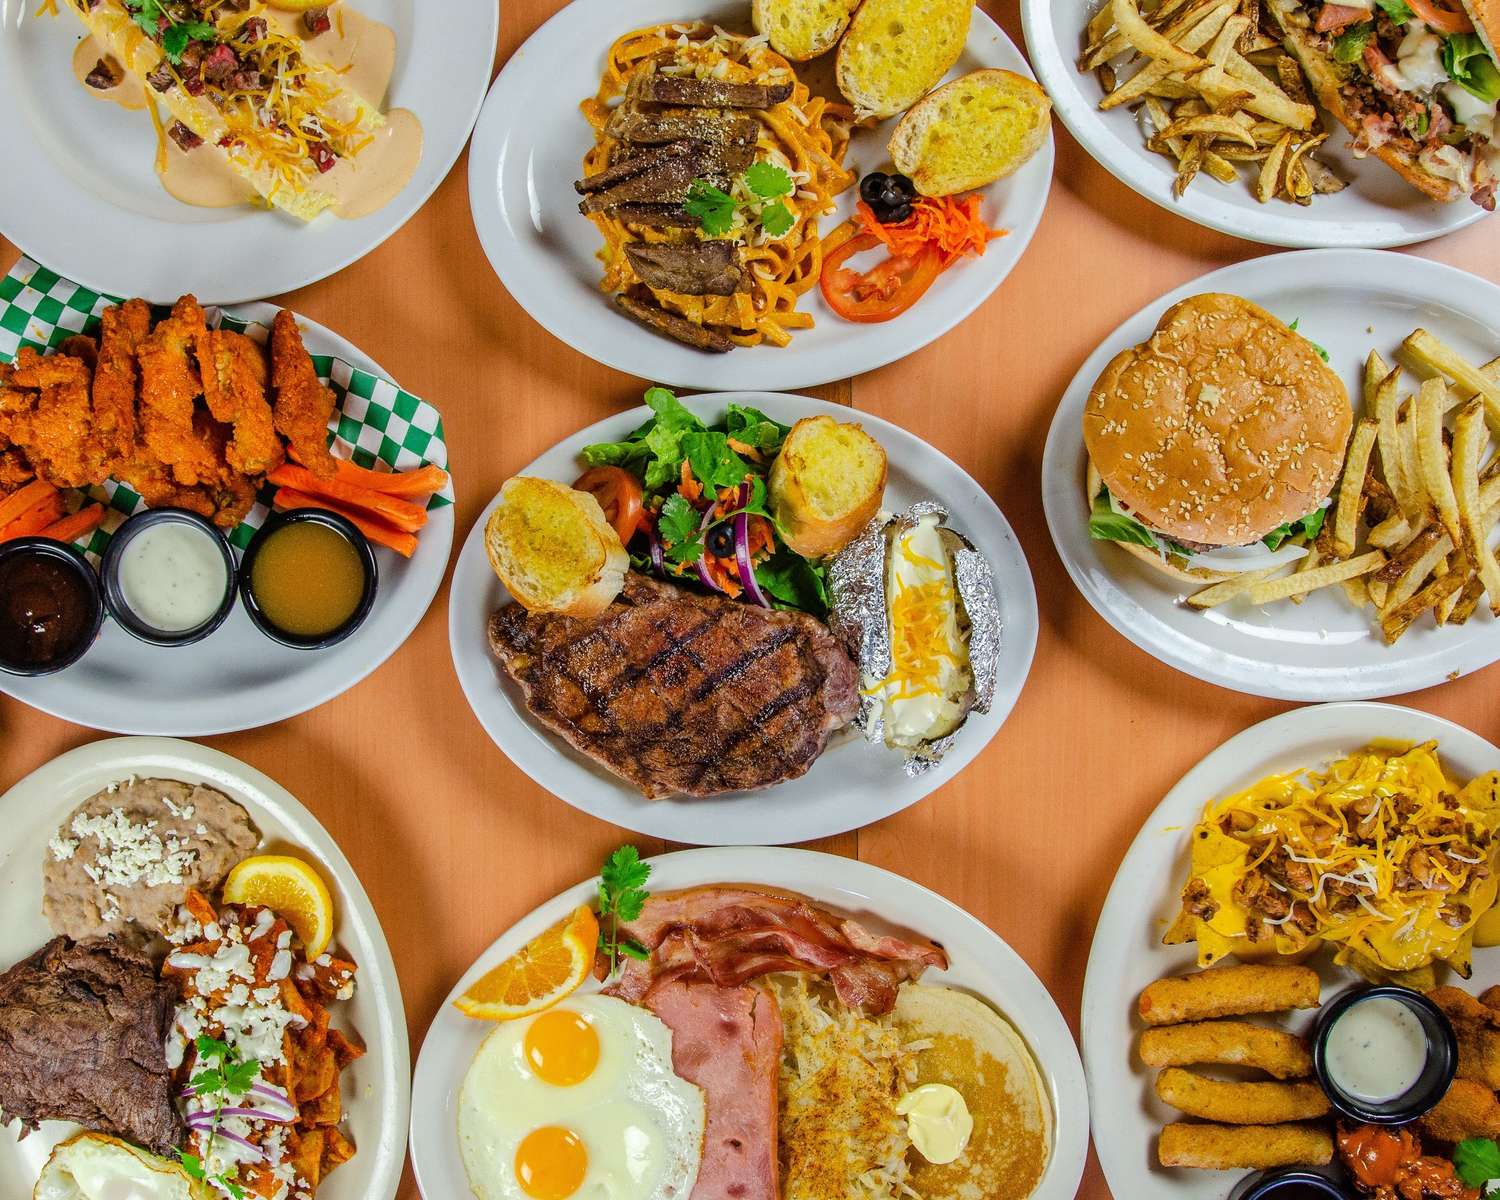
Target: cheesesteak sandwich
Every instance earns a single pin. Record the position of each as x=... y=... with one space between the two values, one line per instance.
x=1225 y=430
x=1415 y=82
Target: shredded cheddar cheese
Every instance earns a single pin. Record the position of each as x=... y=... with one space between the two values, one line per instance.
x=921 y=620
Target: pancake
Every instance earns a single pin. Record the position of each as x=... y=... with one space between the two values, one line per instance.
x=970 y=1047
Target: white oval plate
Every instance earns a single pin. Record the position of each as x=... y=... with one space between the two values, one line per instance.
x=237 y=678
x=1350 y=301
x=1127 y=953
x=79 y=192
x=982 y=964
x=854 y=783
x=521 y=173
x=1379 y=208
x=376 y=1088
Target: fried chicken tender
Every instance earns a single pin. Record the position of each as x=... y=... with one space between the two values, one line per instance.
x=1470 y=1109
x=234 y=387
x=46 y=412
x=170 y=385
x=123 y=328
x=303 y=405
x=1244 y=1147
x=1227 y=1043
x=1477 y=1027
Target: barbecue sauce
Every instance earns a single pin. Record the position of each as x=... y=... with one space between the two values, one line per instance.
x=45 y=610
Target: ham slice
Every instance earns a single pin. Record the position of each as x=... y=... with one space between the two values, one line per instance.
x=727 y=1041
x=1335 y=18
x=728 y=935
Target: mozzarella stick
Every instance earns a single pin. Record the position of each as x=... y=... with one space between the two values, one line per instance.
x=1236 y=1103
x=1244 y=1147
x=1229 y=992
x=1227 y=1044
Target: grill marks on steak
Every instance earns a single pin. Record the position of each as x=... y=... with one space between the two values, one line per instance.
x=83 y=1027
x=682 y=693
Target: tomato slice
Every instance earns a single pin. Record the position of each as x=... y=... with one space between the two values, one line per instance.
x=887 y=290
x=619 y=495
x=1442 y=17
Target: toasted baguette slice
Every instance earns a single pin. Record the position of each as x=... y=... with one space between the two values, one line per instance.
x=553 y=549
x=971 y=132
x=1327 y=82
x=897 y=50
x=802 y=29
x=826 y=484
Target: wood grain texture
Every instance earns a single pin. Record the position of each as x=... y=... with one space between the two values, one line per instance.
x=454 y=844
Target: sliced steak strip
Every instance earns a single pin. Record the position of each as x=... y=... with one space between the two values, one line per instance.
x=655 y=216
x=682 y=693
x=83 y=1029
x=631 y=166
x=671 y=125
x=709 y=93
x=679 y=329
x=695 y=268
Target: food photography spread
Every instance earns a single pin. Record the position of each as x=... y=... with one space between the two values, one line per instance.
x=749 y=600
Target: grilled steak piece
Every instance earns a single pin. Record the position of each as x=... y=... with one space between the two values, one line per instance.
x=631 y=166
x=665 y=179
x=655 y=216
x=708 y=93
x=683 y=693
x=107 y=73
x=671 y=125
x=695 y=268
x=83 y=1027
x=659 y=320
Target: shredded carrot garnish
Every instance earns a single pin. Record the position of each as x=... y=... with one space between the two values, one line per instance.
x=952 y=224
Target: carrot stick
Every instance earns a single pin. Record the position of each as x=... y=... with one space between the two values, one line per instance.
x=421 y=481
x=70 y=529
x=23 y=500
x=377 y=531
x=35 y=519
x=403 y=514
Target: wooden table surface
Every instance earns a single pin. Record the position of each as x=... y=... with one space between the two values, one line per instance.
x=454 y=844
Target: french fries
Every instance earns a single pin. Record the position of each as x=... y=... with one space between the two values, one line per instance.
x=1415 y=509
x=1218 y=88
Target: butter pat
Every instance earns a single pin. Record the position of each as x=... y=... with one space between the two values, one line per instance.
x=937 y=1121
x=923 y=695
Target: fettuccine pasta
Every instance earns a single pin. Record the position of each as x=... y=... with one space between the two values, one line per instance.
x=807 y=135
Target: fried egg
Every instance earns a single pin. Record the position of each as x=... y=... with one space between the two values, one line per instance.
x=93 y=1166
x=580 y=1100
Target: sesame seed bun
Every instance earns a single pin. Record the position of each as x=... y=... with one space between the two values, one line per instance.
x=1223 y=426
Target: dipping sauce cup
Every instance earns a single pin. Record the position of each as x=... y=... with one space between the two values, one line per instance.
x=168 y=577
x=1293 y=1183
x=308 y=578
x=1384 y=1055
x=50 y=606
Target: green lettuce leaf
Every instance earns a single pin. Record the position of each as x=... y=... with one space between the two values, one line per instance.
x=714 y=464
x=1477 y=1160
x=1398 y=10
x=654 y=450
x=791 y=581
x=751 y=427
x=1309 y=527
x=1471 y=67
x=1349 y=47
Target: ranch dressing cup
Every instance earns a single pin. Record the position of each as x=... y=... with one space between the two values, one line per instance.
x=1384 y=1055
x=168 y=577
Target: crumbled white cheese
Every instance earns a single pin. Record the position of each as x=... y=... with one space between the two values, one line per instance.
x=129 y=853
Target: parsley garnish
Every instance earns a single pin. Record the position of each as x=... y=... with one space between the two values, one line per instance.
x=713 y=208
x=157 y=23
x=678 y=527
x=1477 y=1160
x=776 y=219
x=622 y=895
x=768 y=181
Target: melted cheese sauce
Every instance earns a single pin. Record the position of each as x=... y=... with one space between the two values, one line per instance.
x=360 y=49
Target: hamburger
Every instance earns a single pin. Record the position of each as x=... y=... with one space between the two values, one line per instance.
x=1225 y=430
x=1415 y=81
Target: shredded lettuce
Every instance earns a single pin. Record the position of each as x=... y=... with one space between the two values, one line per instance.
x=1308 y=527
x=1471 y=67
x=1398 y=10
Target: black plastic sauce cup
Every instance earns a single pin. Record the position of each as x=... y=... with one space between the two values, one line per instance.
x=51 y=608
x=1431 y=1084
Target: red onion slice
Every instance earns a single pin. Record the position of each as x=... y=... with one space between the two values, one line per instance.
x=658 y=561
x=742 y=560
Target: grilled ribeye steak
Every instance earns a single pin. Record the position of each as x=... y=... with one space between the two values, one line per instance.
x=683 y=693
x=83 y=1029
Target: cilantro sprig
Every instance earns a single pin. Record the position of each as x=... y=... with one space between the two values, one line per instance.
x=225 y=1076
x=172 y=35
x=765 y=183
x=622 y=896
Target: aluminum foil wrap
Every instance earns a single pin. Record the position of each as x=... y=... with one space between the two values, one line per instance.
x=857 y=579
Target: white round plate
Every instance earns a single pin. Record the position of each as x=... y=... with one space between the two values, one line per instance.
x=981 y=963
x=79 y=192
x=376 y=1088
x=854 y=783
x=1127 y=953
x=237 y=678
x=1349 y=301
x=521 y=173
x=1378 y=208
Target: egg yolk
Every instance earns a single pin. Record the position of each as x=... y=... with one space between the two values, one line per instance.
x=551 y=1163
x=561 y=1047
